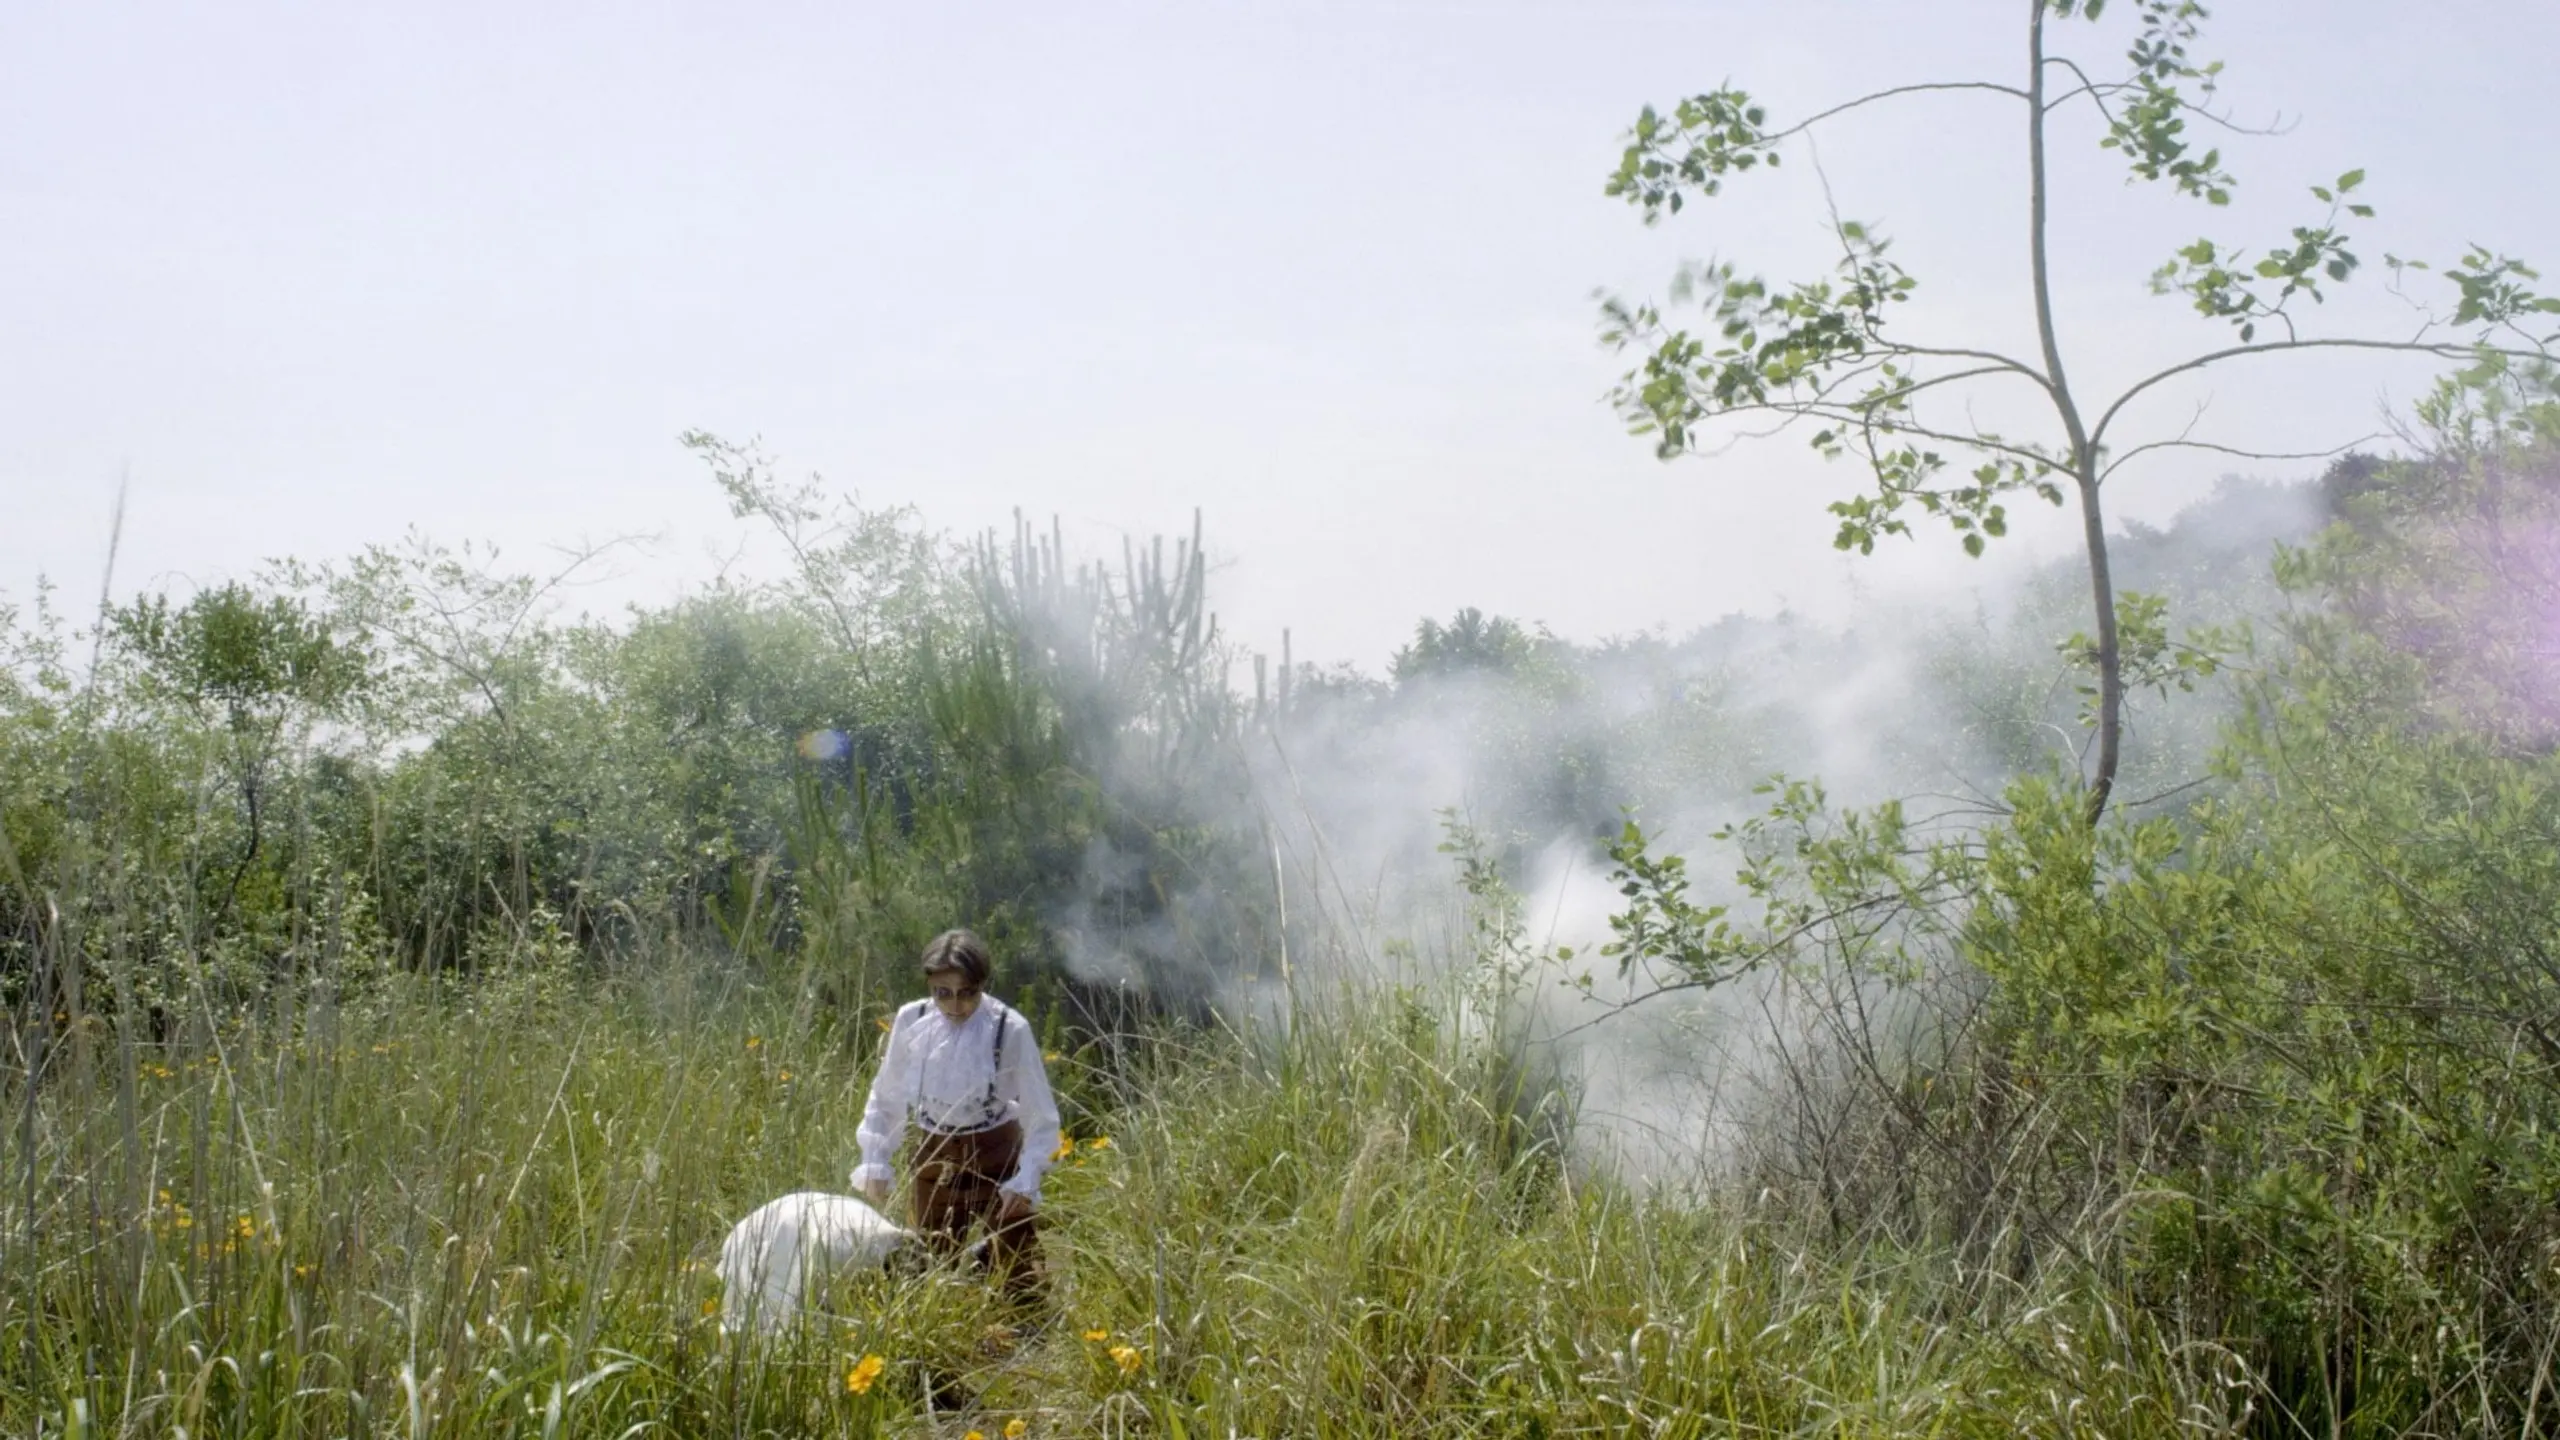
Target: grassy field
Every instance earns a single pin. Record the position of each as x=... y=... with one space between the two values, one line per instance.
x=427 y=1213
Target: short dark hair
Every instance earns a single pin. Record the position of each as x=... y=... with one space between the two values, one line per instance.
x=959 y=950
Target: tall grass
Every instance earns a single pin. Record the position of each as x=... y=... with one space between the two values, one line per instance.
x=424 y=1210
x=428 y=1211
x=411 y=1090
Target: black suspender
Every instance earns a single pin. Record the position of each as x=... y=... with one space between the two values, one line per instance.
x=991 y=1106
x=995 y=1069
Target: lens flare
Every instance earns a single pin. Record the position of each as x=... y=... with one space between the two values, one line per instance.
x=825 y=745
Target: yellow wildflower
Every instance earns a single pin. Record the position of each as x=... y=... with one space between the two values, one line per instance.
x=1098 y=1142
x=246 y=1227
x=1066 y=1146
x=882 y=1021
x=1016 y=1428
x=754 y=1040
x=301 y=1272
x=864 y=1374
x=1051 y=1056
x=1127 y=1358
x=975 y=1435
x=710 y=1307
x=786 y=1075
x=1096 y=1337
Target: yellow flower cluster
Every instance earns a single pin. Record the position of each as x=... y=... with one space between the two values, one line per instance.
x=170 y=1217
x=1068 y=1145
x=1128 y=1357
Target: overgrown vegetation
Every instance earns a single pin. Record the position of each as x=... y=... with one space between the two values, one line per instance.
x=2277 y=1068
x=408 y=988
x=408 y=981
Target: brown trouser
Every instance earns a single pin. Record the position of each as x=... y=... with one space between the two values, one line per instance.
x=956 y=1190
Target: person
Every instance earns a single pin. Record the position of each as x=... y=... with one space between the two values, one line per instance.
x=967 y=1067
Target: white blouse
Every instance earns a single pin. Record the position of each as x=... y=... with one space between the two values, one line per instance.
x=950 y=1077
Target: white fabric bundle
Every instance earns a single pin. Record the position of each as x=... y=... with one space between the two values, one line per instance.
x=783 y=1249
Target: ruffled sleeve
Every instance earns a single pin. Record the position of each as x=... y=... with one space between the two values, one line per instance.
x=884 y=1118
x=1026 y=1082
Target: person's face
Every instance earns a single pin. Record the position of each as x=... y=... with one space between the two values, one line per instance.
x=953 y=994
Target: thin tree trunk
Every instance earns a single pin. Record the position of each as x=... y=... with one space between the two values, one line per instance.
x=2084 y=459
x=2093 y=531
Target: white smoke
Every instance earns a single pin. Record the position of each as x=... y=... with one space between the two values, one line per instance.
x=1939 y=705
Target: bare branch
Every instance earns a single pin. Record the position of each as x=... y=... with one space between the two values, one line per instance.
x=2442 y=350
x=1994 y=362
x=2182 y=443
x=2096 y=92
x=1809 y=122
x=577 y=558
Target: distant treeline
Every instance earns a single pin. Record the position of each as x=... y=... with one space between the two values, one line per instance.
x=412 y=759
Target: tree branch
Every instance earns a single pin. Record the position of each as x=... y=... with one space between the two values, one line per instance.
x=1809 y=122
x=2097 y=91
x=2442 y=350
x=1841 y=412
x=2183 y=443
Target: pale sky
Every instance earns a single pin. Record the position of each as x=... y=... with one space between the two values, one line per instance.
x=312 y=274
